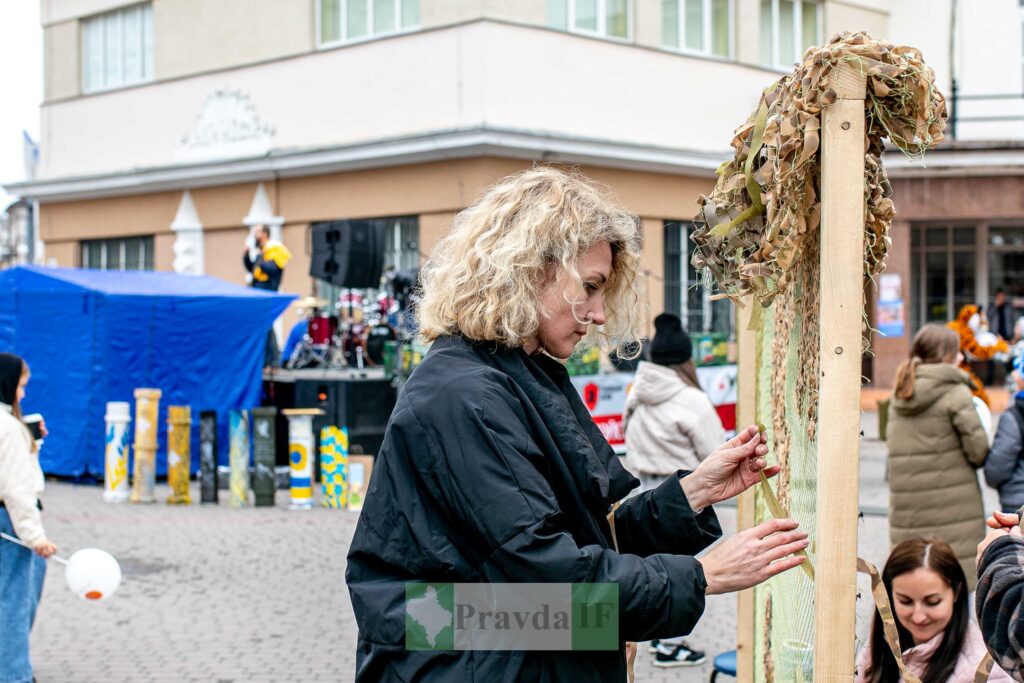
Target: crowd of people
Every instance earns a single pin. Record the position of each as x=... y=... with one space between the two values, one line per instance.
x=492 y=469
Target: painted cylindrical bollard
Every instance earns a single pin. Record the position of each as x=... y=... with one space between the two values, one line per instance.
x=208 y=456
x=264 y=484
x=300 y=455
x=147 y=410
x=179 y=454
x=334 y=466
x=115 y=479
x=238 y=488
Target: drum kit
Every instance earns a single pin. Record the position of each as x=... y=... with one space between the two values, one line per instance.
x=352 y=338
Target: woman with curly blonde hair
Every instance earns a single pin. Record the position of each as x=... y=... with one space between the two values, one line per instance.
x=492 y=471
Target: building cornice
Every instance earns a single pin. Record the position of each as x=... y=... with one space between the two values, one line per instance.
x=440 y=146
x=961 y=161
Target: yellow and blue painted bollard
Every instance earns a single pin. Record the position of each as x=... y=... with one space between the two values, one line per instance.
x=334 y=466
x=147 y=409
x=238 y=486
x=179 y=454
x=300 y=455
x=115 y=478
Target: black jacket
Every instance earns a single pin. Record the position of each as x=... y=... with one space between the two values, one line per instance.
x=273 y=271
x=492 y=470
x=998 y=603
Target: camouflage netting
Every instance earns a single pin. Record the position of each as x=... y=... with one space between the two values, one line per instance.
x=757 y=233
x=765 y=204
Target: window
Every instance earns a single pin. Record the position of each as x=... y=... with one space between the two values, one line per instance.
x=607 y=18
x=343 y=21
x=117 y=48
x=684 y=294
x=955 y=265
x=128 y=253
x=942 y=272
x=701 y=26
x=788 y=28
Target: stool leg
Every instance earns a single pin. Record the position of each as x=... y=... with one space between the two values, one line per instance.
x=714 y=676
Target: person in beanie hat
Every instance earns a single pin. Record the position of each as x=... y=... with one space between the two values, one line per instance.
x=21 y=481
x=671 y=425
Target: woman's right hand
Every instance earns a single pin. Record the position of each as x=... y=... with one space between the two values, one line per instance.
x=45 y=548
x=753 y=556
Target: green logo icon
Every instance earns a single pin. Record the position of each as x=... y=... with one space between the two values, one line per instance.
x=430 y=616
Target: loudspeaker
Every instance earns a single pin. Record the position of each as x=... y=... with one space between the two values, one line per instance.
x=364 y=406
x=348 y=253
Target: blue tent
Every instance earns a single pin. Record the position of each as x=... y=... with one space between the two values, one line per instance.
x=95 y=336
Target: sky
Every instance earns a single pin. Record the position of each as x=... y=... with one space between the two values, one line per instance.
x=21 y=85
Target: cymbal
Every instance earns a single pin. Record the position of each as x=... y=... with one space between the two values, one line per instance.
x=312 y=302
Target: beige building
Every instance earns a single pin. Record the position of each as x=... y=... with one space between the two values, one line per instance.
x=170 y=126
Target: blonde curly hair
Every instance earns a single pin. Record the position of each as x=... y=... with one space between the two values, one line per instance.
x=485 y=279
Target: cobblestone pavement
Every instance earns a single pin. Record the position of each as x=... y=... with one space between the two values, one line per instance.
x=218 y=595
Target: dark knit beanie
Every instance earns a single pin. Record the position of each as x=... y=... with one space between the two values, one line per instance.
x=671 y=345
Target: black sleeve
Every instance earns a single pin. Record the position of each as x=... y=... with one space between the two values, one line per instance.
x=499 y=499
x=249 y=263
x=661 y=521
x=1000 y=603
x=269 y=268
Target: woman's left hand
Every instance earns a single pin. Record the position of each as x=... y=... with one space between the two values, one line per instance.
x=730 y=470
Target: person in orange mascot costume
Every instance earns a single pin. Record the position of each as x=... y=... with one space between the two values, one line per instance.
x=976 y=344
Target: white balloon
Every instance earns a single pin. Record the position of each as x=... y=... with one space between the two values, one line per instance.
x=93 y=574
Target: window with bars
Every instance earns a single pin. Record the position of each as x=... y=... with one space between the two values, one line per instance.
x=685 y=296
x=125 y=253
x=343 y=21
x=788 y=28
x=117 y=48
x=952 y=265
x=700 y=26
x=605 y=18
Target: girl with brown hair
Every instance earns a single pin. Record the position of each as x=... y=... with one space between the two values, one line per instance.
x=938 y=640
x=936 y=443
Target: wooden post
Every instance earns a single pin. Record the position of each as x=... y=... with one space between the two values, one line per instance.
x=746 y=414
x=842 y=305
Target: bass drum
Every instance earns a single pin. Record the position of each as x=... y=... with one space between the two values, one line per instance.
x=322 y=329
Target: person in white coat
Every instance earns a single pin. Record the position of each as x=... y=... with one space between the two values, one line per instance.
x=671 y=427
x=21 y=482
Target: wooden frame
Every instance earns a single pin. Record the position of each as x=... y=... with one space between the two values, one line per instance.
x=842 y=306
x=746 y=414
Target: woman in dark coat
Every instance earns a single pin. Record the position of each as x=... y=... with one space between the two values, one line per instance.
x=492 y=471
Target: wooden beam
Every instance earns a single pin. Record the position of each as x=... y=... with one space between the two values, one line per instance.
x=746 y=414
x=841 y=301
